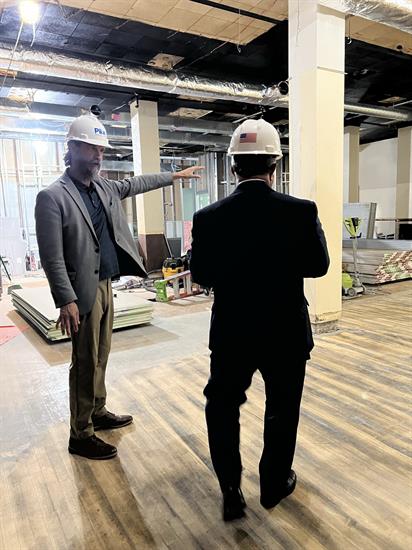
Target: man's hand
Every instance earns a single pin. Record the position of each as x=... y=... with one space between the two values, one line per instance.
x=69 y=319
x=188 y=173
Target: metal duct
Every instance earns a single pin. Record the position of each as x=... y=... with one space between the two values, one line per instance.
x=58 y=65
x=186 y=138
x=178 y=124
x=394 y=13
x=389 y=114
x=63 y=66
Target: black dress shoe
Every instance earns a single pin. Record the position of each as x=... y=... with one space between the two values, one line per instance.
x=110 y=421
x=92 y=447
x=233 y=504
x=271 y=500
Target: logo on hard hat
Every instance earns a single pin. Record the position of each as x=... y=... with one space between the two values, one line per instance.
x=249 y=137
x=100 y=131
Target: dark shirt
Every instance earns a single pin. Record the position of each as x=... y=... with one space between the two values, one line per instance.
x=109 y=263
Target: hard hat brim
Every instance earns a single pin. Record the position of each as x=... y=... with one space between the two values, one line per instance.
x=277 y=156
x=91 y=142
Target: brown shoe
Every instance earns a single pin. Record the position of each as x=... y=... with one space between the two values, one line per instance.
x=92 y=447
x=110 y=421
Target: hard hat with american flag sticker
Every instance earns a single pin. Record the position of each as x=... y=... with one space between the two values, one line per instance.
x=255 y=137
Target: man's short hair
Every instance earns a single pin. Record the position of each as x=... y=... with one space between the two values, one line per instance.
x=67 y=158
x=247 y=166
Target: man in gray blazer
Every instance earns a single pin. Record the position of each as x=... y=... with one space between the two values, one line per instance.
x=84 y=242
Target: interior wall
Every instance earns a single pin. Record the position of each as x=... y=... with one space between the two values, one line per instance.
x=377 y=180
x=26 y=167
x=346 y=167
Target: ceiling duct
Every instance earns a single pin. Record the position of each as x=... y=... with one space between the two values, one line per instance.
x=388 y=114
x=57 y=65
x=61 y=66
x=393 y=13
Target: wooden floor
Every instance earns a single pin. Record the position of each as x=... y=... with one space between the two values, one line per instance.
x=353 y=457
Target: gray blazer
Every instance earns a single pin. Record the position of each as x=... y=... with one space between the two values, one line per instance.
x=68 y=246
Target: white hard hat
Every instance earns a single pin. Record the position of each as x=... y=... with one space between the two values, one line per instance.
x=255 y=137
x=89 y=129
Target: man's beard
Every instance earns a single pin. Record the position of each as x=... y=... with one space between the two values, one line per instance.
x=93 y=171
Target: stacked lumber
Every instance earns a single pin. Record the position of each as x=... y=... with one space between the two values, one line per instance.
x=37 y=307
x=379 y=266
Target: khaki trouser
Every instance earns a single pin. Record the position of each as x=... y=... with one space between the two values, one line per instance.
x=91 y=347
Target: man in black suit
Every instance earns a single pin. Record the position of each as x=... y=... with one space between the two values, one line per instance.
x=254 y=248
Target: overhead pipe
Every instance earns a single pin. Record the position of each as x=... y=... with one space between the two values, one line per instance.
x=366 y=110
x=182 y=124
x=186 y=138
x=389 y=114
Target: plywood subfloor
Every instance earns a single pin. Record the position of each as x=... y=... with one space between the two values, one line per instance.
x=353 y=456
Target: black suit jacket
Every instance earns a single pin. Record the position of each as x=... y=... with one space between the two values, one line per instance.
x=254 y=248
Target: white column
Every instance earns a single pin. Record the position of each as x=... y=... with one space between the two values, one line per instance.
x=316 y=72
x=404 y=174
x=351 y=164
x=146 y=160
x=177 y=197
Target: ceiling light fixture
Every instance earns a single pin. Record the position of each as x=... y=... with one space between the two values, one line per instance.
x=186 y=112
x=165 y=61
x=29 y=11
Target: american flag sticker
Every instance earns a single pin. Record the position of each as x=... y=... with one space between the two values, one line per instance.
x=250 y=137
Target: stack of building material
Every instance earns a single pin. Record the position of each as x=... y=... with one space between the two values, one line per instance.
x=379 y=266
x=37 y=307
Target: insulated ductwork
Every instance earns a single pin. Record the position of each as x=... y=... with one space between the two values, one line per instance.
x=394 y=13
x=66 y=67
x=63 y=66
x=388 y=114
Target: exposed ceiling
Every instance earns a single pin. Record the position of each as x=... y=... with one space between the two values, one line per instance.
x=199 y=17
x=378 y=34
x=234 y=21
x=374 y=74
x=193 y=17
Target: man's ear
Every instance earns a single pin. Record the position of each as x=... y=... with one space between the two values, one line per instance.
x=272 y=170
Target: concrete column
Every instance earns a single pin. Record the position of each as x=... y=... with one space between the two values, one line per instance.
x=177 y=197
x=404 y=174
x=351 y=164
x=168 y=204
x=220 y=175
x=146 y=160
x=316 y=71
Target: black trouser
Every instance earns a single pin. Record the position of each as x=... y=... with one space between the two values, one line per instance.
x=230 y=376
